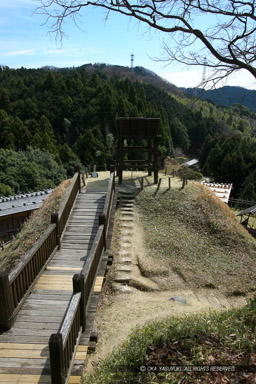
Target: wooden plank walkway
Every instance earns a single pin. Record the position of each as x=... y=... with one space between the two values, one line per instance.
x=24 y=352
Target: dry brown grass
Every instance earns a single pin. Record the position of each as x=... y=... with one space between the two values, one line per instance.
x=32 y=229
x=213 y=207
x=171 y=164
x=198 y=238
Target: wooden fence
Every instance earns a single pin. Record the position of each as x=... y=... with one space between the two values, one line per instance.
x=60 y=218
x=62 y=345
x=105 y=216
x=240 y=204
x=61 y=356
x=16 y=286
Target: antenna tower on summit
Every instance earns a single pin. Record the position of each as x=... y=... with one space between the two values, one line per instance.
x=204 y=73
x=132 y=60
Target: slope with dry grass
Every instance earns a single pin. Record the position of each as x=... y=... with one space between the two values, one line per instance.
x=33 y=228
x=199 y=238
x=193 y=235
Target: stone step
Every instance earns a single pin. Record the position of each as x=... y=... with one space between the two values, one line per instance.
x=126 y=261
x=125 y=212
x=126 y=231
x=122 y=278
x=126 y=245
x=126 y=225
x=124 y=209
x=123 y=268
x=127 y=201
x=125 y=238
x=124 y=253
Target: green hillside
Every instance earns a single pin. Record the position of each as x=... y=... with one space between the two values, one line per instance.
x=70 y=113
x=227 y=96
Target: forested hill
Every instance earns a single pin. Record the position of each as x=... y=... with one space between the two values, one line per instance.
x=226 y=96
x=134 y=74
x=51 y=119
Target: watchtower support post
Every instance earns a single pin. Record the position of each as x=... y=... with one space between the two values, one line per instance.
x=135 y=128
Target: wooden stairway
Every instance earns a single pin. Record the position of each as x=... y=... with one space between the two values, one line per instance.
x=24 y=352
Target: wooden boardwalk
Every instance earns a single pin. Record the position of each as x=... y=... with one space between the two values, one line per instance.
x=24 y=352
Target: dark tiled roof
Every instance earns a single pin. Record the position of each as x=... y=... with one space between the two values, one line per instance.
x=23 y=202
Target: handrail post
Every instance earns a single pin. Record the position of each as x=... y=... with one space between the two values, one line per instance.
x=56 y=358
x=77 y=168
x=102 y=221
x=79 y=286
x=6 y=302
x=114 y=187
x=158 y=185
x=55 y=220
x=112 y=169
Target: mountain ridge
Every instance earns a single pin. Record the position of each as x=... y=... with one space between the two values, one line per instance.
x=226 y=96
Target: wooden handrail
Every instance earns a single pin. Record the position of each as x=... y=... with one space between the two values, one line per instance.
x=19 y=283
x=83 y=283
x=68 y=194
x=89 y=271
x=63 y=345
x=29 y=255
x=72 y=310
x=240 y=203
x=110 y=190
x=23 y=278
x=105 y=216
x=60 y=218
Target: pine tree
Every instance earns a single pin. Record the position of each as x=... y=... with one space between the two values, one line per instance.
x=5 y=103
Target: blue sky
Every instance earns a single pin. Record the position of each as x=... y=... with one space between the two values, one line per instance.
x=24 y=41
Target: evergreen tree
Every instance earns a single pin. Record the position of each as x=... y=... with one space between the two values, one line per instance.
x=22 y=135
x=179 y=134
x=205 y=149
x=86 y=147
x=133 y=98
x=123 y=107
x=47 y=135
x=108 y=109
x=248 y=192
x=5 y=103
x=49 y=83
x=142 y=102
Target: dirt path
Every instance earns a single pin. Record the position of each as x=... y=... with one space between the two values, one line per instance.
x=142 y=291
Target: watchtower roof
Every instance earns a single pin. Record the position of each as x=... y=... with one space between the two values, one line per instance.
x=137 y=127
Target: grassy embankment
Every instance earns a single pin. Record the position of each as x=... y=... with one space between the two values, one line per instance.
x=194 y=234
x=32 y=229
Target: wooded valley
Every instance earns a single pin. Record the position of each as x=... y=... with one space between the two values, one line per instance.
x=52 y=119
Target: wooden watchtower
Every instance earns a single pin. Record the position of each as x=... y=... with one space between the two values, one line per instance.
x=138 y=128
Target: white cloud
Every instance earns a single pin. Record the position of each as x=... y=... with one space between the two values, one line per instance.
x=70 y=52
x=19 y=52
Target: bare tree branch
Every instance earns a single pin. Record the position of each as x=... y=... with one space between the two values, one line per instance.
x=229 y=42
